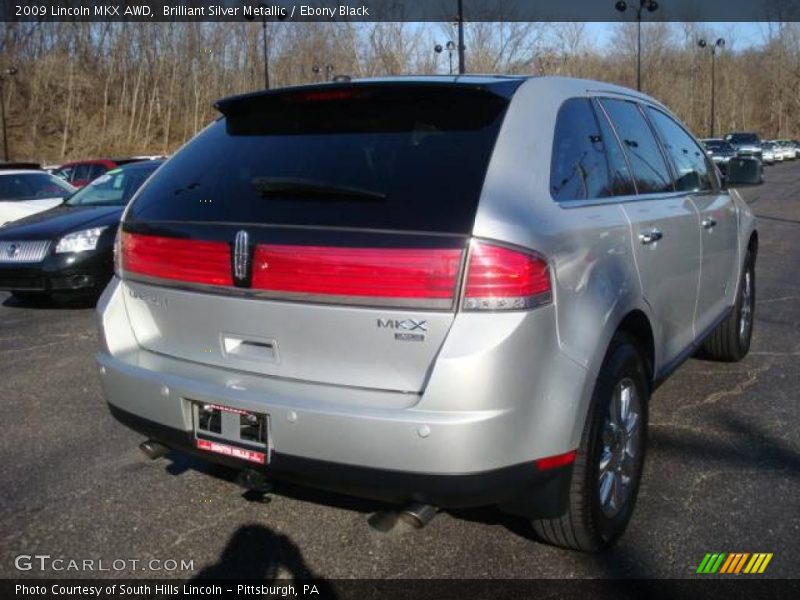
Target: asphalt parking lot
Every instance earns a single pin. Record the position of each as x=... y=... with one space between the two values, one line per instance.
x=722 y=473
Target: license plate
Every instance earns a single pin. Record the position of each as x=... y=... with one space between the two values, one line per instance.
x=231 y=432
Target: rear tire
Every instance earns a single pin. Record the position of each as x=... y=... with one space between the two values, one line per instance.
x=611 y=454
x=730 y=341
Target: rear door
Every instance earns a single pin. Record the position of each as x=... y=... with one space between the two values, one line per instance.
x=717 y=220
x=315 y=235
x=665 y=236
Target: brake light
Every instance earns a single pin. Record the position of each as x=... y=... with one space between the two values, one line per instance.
x=325 y=96
x=177 y=259
x=553 y=462
x=420 y=276
x=499 y=278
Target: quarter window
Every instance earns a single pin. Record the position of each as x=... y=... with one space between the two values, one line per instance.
x=647 y=162
x=579 y=167
x=689 y=160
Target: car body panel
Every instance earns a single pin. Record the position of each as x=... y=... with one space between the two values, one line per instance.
x=13 y=211
x=491 y=389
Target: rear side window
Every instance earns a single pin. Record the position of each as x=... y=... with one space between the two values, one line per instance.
x=579 y=166
x=587 y=161
x=96 y=170
x=81 y=172
x=401 y=157
x=692 y=172
x=647 y=162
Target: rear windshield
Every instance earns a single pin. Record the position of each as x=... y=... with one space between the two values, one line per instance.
x=402 y=158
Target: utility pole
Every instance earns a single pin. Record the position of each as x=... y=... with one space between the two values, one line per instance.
x=720 y=43
x=10 y=71
x=462 y=66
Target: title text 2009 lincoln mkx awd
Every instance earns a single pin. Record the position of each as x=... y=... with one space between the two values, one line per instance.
x=445 y=291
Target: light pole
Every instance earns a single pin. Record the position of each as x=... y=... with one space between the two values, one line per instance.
x=280 y=17
x=462 y=65
x=11 y=72
x=328 y=71
x=450 y=47
x=720 y=43
x=650 y=6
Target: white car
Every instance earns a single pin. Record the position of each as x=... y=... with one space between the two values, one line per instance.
x=25 y=192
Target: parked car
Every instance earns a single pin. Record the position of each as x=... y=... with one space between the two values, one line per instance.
x=68 y=250
x=81 y=172
x=770 y=153
x=788 y=148
x=26 y=190
x=383 y=287
x=746 y=143
x=720 y=151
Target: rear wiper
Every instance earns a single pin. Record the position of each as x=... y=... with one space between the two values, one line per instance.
x=283 y=186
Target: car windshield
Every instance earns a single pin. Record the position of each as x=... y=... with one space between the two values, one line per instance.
x=743 y=138
x=718 y=146
x=32 y=186
x=114 y=188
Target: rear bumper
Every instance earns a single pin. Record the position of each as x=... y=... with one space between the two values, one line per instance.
x=519 y=489
x=470 y=438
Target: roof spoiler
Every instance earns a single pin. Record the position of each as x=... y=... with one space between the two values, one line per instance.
x=503 y=88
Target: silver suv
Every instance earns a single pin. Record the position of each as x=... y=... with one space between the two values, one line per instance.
x=449 y=291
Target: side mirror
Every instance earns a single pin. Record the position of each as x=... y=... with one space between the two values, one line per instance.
x=743 y=171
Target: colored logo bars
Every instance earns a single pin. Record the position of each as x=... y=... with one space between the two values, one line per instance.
x=734 y=563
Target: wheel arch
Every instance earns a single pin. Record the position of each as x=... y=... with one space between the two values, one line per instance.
x=637 y=325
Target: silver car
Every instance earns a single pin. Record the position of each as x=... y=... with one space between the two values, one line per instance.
x=445 y=291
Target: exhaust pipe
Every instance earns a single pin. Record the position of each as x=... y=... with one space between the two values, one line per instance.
x=153 y=449
x=254 y=481
x=418 y=515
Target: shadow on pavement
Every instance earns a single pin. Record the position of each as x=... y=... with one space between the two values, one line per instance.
x=256 y=553
x=181 y=462
x=748 y=446
x=46 y=301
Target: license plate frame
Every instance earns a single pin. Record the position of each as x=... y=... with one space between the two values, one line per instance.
x=232 y=432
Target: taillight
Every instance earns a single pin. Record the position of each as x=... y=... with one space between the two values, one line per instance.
x=418 y=277
x=499 y=278
x=177 y=259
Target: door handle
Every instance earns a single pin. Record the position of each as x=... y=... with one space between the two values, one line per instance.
x=650 y=237
x=709 y=223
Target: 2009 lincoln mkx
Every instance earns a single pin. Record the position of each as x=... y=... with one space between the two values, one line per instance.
x=567 y=243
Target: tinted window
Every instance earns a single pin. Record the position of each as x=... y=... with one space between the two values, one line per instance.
x=718 y=146
x=96 y=170
x=81 y=172
x=579 y=168
x=395 y=157
x=65 y=173
x=688 y=159
x=114 y=188
x=621 y=180
x=743 y=138
x=32 y=186
x=646 y=160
